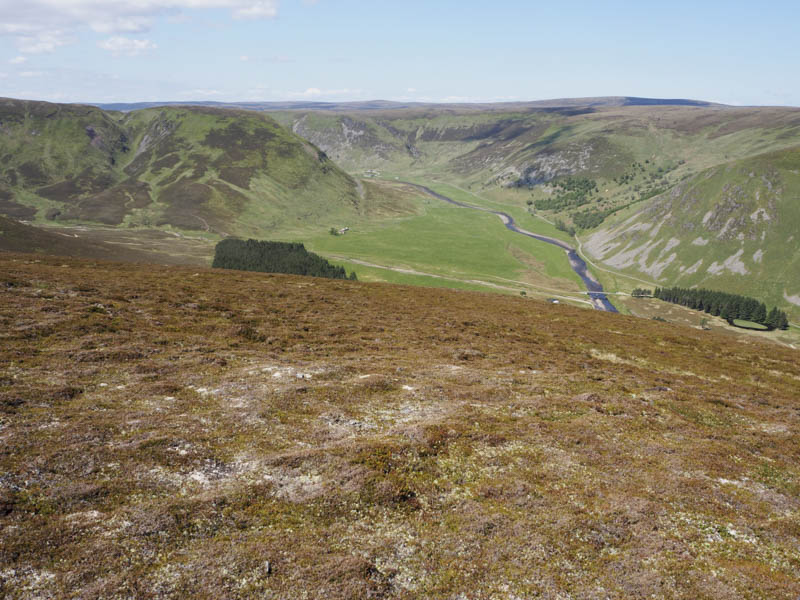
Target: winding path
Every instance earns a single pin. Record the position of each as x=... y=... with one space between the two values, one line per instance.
x=599 y=299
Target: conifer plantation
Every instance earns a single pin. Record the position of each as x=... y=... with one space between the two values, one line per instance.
x=274 y=257
x=721 y=304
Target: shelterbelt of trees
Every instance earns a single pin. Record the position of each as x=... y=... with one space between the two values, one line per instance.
x=721 y=304
x=274 y=257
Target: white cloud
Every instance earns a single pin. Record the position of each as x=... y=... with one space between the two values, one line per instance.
x=257 y=10
x=17 y=60
x=41 y=42
x=198 y=94
x=244 y=58
x=317 y=93
x=309 y=93
x=31 y=74
x=131 y=24
x=119 y=45
x=43 y=25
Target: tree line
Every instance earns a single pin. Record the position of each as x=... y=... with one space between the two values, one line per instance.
x=274 y=257
x=571 y=192
x=722 y=304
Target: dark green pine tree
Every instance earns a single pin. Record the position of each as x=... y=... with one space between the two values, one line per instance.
x=759 y=315
x=727 y=312
x=773 y=319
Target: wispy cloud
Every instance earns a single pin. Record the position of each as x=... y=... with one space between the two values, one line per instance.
x=39 y=26
x=276 y=59
x=41 y=42
x=317 y=93
x=199 y=94
x=17 y=60
x=120 y=46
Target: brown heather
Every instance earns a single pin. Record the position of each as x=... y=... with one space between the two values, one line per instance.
x=172 y=432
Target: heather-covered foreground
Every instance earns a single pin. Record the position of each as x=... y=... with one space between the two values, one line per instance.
x=175 y=432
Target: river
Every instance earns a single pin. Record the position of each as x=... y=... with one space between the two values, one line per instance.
x=594 y=287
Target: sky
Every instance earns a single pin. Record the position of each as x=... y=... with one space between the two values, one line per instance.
x=430 y=51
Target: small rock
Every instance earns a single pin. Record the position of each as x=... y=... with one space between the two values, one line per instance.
x=588 y=397
x=468 y=354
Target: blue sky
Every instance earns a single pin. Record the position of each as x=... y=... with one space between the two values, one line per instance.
x=440 y=51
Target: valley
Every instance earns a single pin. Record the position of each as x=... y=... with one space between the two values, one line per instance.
x=647 y=192
x=318 y=300
x=172 y=430
x=589 y=169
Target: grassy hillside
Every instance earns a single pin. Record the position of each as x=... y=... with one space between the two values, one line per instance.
x=589 y=163
x=529 y=146
x=205 y=173
x=189 y=168
x=163 y=435
x=732 y=227
x=593 y=164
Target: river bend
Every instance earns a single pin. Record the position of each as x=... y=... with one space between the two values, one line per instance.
x=595 y=289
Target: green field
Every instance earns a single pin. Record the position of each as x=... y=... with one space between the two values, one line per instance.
x=454 y=242
x=749 y=325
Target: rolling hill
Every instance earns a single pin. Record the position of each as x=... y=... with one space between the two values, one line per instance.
x=165 y=436
x=593 y=164
x=188 y=168
x=731 y=227
x=387 y=104
x=526 y=144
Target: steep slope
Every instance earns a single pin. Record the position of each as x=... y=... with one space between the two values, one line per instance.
x=529 y=145
x=732 y=227
x=51 y=154
x=165 y=436
x=194 y=168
